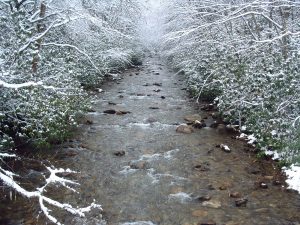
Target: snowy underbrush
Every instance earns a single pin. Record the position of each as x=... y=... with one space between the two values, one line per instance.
x=239 y=60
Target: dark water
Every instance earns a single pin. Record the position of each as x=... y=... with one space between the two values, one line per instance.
x=156 y=182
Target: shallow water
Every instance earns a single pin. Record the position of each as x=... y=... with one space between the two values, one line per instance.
x=155 y=182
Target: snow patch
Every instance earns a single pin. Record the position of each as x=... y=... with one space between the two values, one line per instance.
x=293 y=174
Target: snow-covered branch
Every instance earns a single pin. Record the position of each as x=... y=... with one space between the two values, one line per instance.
x=7 y=178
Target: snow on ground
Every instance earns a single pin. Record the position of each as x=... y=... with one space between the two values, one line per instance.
x=293 y=174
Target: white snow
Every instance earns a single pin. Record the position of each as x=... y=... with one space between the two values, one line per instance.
x=293 y=174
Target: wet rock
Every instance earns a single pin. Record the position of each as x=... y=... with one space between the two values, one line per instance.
x=157 y=84
x=183 y=89
x=119 y=153
x=207 y=223
x=260 y=184
x=223 y=187
x=121 y=96
x=235 y=195
x=199 y=213
x=110 y=111
x=241 y=202
x=193 y=118
x=157 y=90
x=185 y=129
x=212 y=204
x=138 y=165
x=253 y=170
x=269 y=178
x=202 y=167
x=146 y=85
x=225 y=148
x=91 y=110
x=162 y=97
x=88 y=122
x=112 y=103
x=140 y=94
x=198 y=125
x=153 y=107
x=156 y=73
x=203 y=198
x=122 y=112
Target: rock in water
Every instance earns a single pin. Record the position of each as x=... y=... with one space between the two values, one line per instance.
x=138 y=165
x=119 y=153
x=235 y=195
x=199 y=213
x=225 y=148
x=207 y=223
x=185 y=129
x=212 y=204
x=241 y=202
x=198 y=125
x=192 y=118
x=110 y=111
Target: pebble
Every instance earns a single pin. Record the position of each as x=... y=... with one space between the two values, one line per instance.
x=153 y=107
x=202 y=167
x=241 y=202
x=110 y=111
x=207 y=223
x=197 y=124
x=89 y=122
x=157 y=84
x=235 y=195
x=138 y=165
x=193 y=118
x=203 y=198
x=185 y=129
x=119 y=153
x=212 y=204
x=199 y=213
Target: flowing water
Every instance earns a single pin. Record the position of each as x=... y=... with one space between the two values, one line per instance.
x=165 y=177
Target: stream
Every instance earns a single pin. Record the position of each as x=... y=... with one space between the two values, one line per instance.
x=143 y=172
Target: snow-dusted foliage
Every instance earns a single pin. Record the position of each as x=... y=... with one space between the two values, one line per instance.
x=246 y=55
x=50 y=51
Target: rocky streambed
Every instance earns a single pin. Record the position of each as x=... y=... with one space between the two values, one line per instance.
x=145 y=167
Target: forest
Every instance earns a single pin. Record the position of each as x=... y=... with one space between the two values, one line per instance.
x=242 y=56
